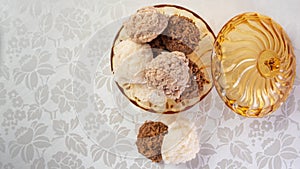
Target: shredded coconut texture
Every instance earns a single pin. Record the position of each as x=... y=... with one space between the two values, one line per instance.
x=158 y=46
x=150 y=138
x=169 y=73
x=196 y=83
x=146 y=25
x=181 y=144
x=129 y=59
x=181 y=35
x=145 y=94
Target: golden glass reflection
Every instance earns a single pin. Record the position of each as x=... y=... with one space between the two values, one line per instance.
x=253 y=65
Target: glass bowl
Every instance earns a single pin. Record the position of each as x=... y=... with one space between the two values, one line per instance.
x=108 y=118
x=201 y=58
x=253 y=65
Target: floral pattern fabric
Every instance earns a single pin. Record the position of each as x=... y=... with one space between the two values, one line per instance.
x=48 y=115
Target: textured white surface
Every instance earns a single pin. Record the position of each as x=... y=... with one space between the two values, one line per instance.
x=129 y=60
x=41 y=47
x=181 y=144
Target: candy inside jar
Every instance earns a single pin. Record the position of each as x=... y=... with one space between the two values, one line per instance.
x=161 y=59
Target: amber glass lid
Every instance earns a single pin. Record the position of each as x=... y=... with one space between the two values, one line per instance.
x=254 y=65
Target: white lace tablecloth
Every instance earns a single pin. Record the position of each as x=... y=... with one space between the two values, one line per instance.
x=40 y=43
